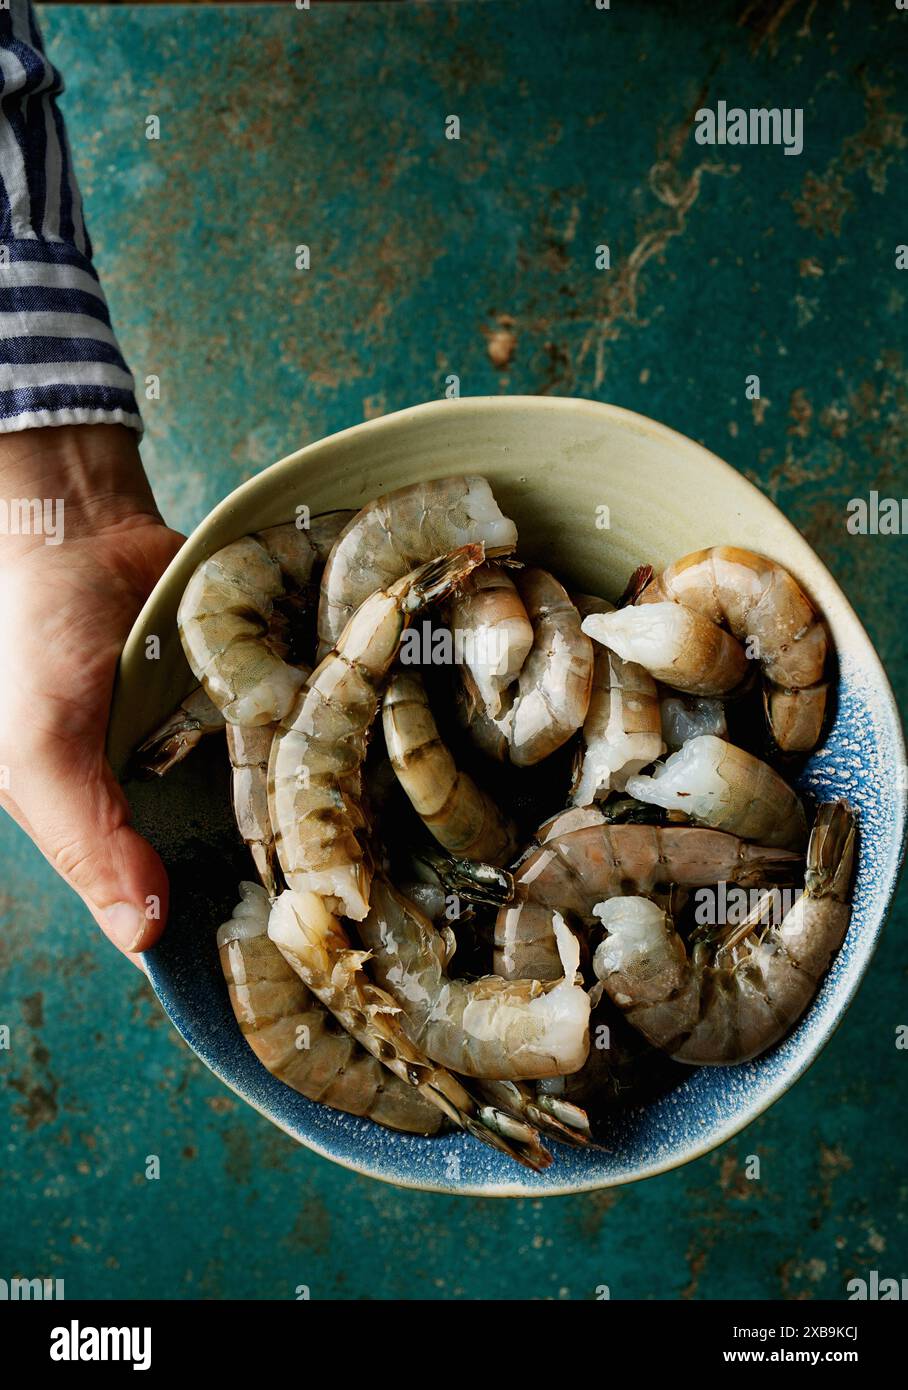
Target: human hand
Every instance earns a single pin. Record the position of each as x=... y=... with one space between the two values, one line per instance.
x=65 y=612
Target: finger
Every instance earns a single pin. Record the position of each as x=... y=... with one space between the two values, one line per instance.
x=80 y=822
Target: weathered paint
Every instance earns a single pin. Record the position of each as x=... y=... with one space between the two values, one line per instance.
x=475 y=257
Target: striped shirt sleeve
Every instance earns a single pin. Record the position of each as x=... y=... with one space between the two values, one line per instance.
x=59 y=359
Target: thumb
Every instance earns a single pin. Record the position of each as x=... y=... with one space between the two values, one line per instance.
x=81 y=825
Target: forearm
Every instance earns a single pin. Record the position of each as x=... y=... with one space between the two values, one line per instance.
x=59 y=359
x=94 y=470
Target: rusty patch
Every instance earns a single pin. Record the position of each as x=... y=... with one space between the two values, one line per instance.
x=801 y=412
x=825 y=199
x=33 y=1010
x=501 y=342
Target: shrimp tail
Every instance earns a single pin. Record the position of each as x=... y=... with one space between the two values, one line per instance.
x=503 y=1131
x=559 y=1120
x=182 y=731
x=641 y=577
x=439 y=577
x=477 y=883
x=167 y=747
x=553 y=1113
x=830 y=853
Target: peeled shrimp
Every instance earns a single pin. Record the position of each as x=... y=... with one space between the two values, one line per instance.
x=487 y=613
x=622 y=729
x=395 y=533
x=500 y=1029
x=314 y=775
x=314 y=944
x=462 y=817
x=687 y=716
x=195 y=717
x=725 y=1010
x=760 y=604
x=581 y=860
x=227 y=618
x=553 y=688
x=717 y=784
x=297 y=1039
x=682 y=648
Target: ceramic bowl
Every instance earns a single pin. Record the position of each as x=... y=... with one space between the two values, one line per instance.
x=554 y=466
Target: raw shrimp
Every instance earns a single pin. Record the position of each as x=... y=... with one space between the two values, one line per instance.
x=249 y=750
x=716 y=784
x=622 y=729
x=488 y=615
x=227 y=618
x=760 y=604
x=315 y=771
x=581 y=860
x=462 y=817
x=727 y=1009
x=297 y=1039
x=687 y=716
x=682 y=648
x=406 y=528
x=494 y=1028
x=553 y=688
x=314 y=944
x=195 y=717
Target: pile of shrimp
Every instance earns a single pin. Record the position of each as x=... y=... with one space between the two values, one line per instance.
x=479 y=759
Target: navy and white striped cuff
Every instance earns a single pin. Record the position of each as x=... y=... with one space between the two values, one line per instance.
x=59 y=359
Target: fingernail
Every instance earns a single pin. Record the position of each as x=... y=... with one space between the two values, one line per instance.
x=126 y=924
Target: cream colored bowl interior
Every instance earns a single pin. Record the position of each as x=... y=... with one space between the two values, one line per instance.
x=554 y=465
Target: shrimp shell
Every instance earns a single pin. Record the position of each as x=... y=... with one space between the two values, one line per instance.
x=315 y=769
x=676 y=645
x=226 y=615
x=724 y=1011
x=394 y=534
x=249 y=750
x=277 y=1013
x=581 y=860
x=761 y=604
x=717 y=784
x=462 y=817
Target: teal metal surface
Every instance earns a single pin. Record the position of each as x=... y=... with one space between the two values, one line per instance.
x=432 y=257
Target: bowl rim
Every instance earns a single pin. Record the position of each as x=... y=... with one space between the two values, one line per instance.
x=195 y=549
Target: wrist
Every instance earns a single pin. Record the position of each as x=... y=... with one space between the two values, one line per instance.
x=89 y=478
